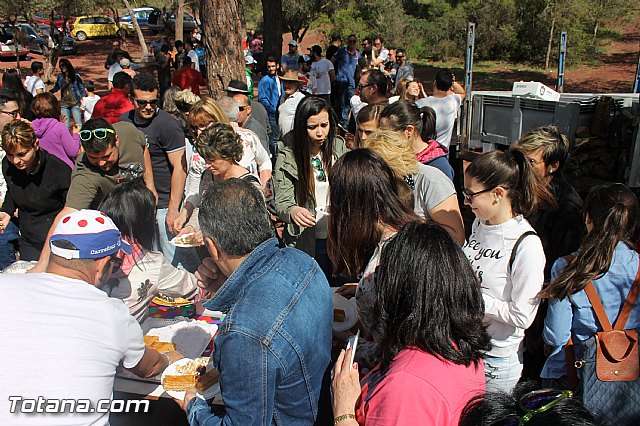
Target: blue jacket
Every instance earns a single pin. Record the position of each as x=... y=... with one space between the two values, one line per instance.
x=77 y=87
x=345 y=65
x=575 y=317
x=274 y=345
x=269 y=95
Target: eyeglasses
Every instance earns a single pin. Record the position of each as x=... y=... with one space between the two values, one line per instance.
x=362 y=86
x=399 y=56
x=316 y=163
x=12 y=114
x=85 y=135
x=352 y=41
x=243 y=107
x=144 y=102
x=470 y=195
x=533 y=403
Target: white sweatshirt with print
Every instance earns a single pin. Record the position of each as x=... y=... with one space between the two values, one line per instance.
x=510 y=294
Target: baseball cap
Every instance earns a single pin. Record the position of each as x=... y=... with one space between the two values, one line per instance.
x=293 y=43
x=237 y=86
x=124 y=62
x=305 y=58
x=92 y=232
x=316 y=49
x=248 y=60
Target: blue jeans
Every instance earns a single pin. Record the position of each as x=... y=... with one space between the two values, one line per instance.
x=72 y=111
x=7 y=246
x=502 y=374
x=344 y=95
x=274 y=137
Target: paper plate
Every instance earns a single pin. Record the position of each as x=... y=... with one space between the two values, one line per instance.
x=175 y=241
x=350 y=311
x=171 y=370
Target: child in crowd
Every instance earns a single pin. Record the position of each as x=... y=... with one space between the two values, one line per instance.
x=88 y=102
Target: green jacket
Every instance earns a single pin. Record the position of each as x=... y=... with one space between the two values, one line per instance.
x=286 y=175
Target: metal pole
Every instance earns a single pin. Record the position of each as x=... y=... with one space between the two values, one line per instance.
x=563 y=57
x=468 y=80
x=636 y=84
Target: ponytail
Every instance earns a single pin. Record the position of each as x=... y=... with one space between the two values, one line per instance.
x=612 y=210
x=511 y=170
x=428 y=119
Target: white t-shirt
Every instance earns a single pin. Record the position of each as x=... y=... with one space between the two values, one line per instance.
x=446 y=112
x=62 y=339
x=287 y=112
x=194 y=59
x=321 y=69
x=510 y=296
x=321 y=193
x=33 y=83
x=113 y=70
x=432 y=187
x=87 y=104
x=356 y=105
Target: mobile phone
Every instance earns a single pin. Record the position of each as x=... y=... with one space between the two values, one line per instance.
x=352 y=343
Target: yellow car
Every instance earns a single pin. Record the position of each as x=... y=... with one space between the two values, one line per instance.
x=99 y=26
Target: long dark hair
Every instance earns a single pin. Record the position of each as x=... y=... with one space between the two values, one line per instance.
x=511 y=170
x=428 y=297
x=71 y=71
x=405 y=113
x=613 y=210
x=11 y=80
x=308 y=107
x=364 y=193
x=131 y=206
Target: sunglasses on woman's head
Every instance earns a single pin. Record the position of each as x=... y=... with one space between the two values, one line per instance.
x=534 y=403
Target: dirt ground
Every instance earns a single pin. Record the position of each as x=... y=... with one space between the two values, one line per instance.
x=615 y=74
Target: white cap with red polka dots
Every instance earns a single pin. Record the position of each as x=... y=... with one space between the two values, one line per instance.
x=92 y=233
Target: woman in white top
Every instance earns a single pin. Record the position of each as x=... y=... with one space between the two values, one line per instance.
x=506 y=255
x=144 y=273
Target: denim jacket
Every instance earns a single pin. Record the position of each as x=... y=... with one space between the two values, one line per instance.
x=574 y=317
x=274 y=345
x=77 y=87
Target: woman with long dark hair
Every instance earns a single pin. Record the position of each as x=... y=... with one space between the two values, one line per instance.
x=430 y=336
x=302 y=179
x=368 y=206
x=419 y=126
x=506 y=254
x=72 y=91
x=145 y=272
x=605 y=258
x=11 y=80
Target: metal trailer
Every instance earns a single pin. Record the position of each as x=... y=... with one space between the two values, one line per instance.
x=499 y=119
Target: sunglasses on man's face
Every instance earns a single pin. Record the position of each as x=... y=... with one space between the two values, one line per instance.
x=144 y=102
x=85 y=135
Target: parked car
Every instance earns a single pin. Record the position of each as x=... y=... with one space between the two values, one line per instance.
x=7 y=45
x=166 y=22
x=99 y=26
x=69 y=45
x=141 y=14
x=58 y=19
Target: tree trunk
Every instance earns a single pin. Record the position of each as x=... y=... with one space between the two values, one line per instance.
x=179 y=34
x=223 y=44
x=143 y=44
x=272 y=18
x=550 y=46
x=595 y=29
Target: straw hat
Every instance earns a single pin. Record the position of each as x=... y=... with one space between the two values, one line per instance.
x=290 y=75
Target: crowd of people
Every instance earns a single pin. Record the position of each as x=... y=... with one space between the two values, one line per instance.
x=336 y=177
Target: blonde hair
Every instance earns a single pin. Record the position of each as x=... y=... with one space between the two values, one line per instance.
x=395 y=149
x=206 y=110
x=18 y=134
x=554 y=144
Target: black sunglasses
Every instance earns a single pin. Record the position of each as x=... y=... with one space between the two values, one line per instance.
x=144 y=102
x=362 y=86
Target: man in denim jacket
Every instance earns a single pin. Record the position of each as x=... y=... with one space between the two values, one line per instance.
x=274 y=345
